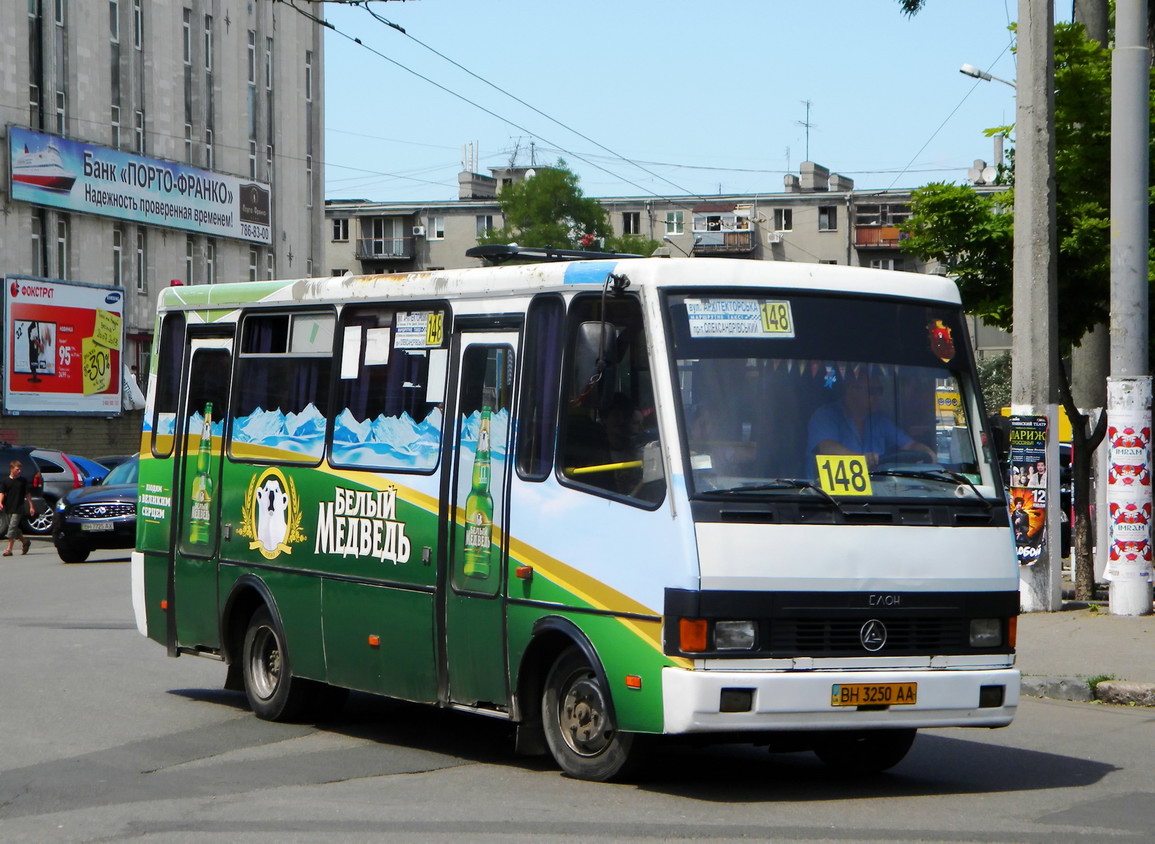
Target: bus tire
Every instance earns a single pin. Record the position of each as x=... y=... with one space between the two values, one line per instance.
x=578 y=721
x=866 y=752
x=273 y=692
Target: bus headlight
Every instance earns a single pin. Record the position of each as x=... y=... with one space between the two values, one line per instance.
x=734 y=635
x=986 y=632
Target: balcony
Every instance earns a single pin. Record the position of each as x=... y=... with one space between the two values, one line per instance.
x=739 y=242
x=385 y=248
x=878 y=237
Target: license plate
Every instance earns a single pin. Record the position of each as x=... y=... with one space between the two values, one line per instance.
x=874 y=694
x=96 y=526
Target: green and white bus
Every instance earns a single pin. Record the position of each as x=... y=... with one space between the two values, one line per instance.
x=603 y=499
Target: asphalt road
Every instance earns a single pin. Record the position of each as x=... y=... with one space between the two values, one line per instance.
x=104 y=738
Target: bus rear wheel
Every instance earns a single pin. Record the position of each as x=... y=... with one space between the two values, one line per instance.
x=866 y=752
x=273 y=693
x=578 y=721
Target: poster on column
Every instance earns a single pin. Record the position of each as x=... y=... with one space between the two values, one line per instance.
x=1028 y=485
x=63 y=345
x=1129 y=495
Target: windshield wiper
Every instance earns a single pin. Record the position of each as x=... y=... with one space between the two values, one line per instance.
x=781 y=483
x=936 y=475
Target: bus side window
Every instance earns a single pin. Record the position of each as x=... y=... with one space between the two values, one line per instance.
x=541 y=376
x=167 y=393
x=282 y=396
x=609 y=439
x=387 y=413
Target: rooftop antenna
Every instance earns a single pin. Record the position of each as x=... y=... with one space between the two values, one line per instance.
x=787 y=159
x=516 y=149
x=532 y=155
x=807 y=125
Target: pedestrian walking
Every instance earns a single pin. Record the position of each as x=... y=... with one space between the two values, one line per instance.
x=15 y=499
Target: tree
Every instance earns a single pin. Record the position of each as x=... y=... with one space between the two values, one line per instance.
x=549 y=209
x=971 y=234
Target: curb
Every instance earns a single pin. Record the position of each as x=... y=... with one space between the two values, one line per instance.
x=1120 y=692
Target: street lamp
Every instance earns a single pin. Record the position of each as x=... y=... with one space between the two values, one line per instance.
x=971 y=70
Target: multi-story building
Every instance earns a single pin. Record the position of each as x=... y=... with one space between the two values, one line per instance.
x=818 y=217
x=190 y=134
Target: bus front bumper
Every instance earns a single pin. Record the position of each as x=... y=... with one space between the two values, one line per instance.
x=694 y=701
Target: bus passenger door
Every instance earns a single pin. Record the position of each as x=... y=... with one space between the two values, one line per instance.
x=197 y=508
x=478 y=520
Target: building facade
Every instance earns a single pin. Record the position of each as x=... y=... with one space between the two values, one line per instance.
x=818 y=217
x=175 y=107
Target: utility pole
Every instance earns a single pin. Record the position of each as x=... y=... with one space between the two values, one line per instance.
x=1034 y=341
x=1129 y=565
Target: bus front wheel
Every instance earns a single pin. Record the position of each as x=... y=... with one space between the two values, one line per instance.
x=864 y=752
x=578 y=721
x=273 y=693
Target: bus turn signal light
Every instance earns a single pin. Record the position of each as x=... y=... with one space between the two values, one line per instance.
x=633 y=681
x=1013 y=631
x=692 y=634
x=374 y=640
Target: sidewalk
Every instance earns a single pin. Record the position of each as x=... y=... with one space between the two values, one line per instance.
x=1060 y=652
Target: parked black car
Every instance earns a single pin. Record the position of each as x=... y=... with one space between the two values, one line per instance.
x=96 y=517
x=41 y=523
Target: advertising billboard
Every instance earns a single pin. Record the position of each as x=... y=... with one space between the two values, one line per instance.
x=89 y=179
x=62 y=349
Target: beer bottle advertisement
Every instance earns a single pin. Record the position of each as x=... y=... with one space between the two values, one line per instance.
x=479 y=508
x=202 y=485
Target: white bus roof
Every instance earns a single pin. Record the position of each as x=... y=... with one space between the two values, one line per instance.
x=527 y=279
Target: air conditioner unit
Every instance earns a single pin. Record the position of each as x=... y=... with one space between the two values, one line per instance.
x=419 y=231
x=773 y=237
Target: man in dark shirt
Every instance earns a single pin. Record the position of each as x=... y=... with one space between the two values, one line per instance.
x=13 y=494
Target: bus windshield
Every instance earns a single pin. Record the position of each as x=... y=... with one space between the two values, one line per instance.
x=829 y=394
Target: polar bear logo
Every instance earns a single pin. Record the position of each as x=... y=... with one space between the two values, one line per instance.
x=272 y=505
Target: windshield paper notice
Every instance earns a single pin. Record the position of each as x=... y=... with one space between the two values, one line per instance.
x=739 y=318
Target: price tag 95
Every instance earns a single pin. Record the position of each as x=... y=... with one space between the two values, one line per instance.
x=844 y=474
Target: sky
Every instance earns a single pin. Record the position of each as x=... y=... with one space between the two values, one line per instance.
x=661 y=97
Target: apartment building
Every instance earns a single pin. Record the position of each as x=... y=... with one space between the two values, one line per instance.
x=181 y=140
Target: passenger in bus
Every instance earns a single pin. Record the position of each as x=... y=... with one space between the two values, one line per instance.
x=856 y=425
x=623 y=426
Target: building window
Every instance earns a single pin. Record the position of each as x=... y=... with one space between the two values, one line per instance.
x=210 y=261
x=308 y=268
x=270 y=264
x=827 y=261
x=308 y=181
x=59 y=12
x=61 y=112
x=252 y=57
x=62 y=269
x=675 y=222
x=137 y=25
x=881 y=215
x=436 y=228
x=827 y=218
x=38 y=246
x=308 y=76
x=631 y=222
x=188 y=143
x=209 y=157
x=114 y=21
x=484 y=223
x=886 y=264
x=268 y=64
x=189 y=247
x=783 y=219
x=268 y=162
x=186 y=36
x=208 y=42
x=340 y=229
x=252 y=159
x=138 y=131
x=118 y=256
x=338 y=271
x=114 y=124
x=254 y=262
x=141 y=267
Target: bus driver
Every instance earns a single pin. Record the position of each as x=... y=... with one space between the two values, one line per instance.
x=852 y=426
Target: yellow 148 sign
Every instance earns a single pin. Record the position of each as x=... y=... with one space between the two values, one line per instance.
x=844 y=474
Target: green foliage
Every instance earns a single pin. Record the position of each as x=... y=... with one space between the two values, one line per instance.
x=631 y=244
x=548 y=209
x=972 y=234
x=995 y=381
